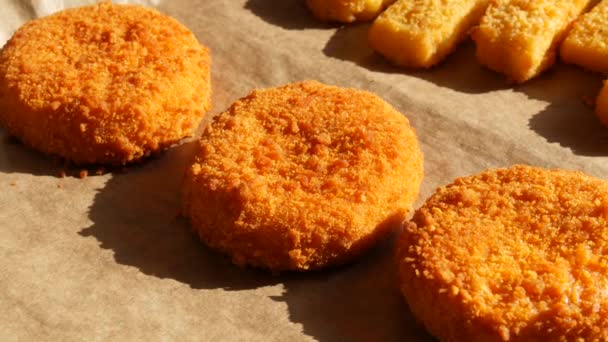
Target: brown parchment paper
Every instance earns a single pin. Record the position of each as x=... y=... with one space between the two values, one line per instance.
x=106 y=258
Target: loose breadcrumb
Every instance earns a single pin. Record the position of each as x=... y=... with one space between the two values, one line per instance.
x=421 y=33
x=302 y=176
x=518 y=254
x=347 y=11
x=519 y=38
x=601 y=105
x=587 y=43
x=105 y=83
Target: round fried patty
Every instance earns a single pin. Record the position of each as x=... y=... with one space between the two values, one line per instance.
x=518 y=254
x=302 y=176
x=104 y=83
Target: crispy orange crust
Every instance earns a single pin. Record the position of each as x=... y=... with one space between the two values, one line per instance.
x=302 y=176
x=104 y=83
x=518 y=254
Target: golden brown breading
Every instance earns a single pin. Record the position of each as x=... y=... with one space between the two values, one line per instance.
x=347 y=11
x=517 y=254
x=586 y=44
x=104 y=83
x=302 y=176
x=421 y=33
x=519 y=38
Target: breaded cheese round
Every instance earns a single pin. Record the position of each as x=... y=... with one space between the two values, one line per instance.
x=103 y=84
x=517 y=254
x=302 y=176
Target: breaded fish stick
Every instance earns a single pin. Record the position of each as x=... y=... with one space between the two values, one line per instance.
x=519 y=38
x=587 y=43
x=601 y=107
x=347 y=11
x=420 y=33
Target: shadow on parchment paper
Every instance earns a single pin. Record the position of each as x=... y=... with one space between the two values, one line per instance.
x=350 y=43
x=135 y=216
x=570 y=123
x=15 y=157
x=360 y=302
x=288 y=14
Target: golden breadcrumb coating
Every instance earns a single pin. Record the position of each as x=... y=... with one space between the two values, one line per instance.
x=517 y=254
x=587 y=43
x=601 y=107
x=104 y=83
x=519 y=38
x=347 y=11
x=421 y=33
x=302 y=176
